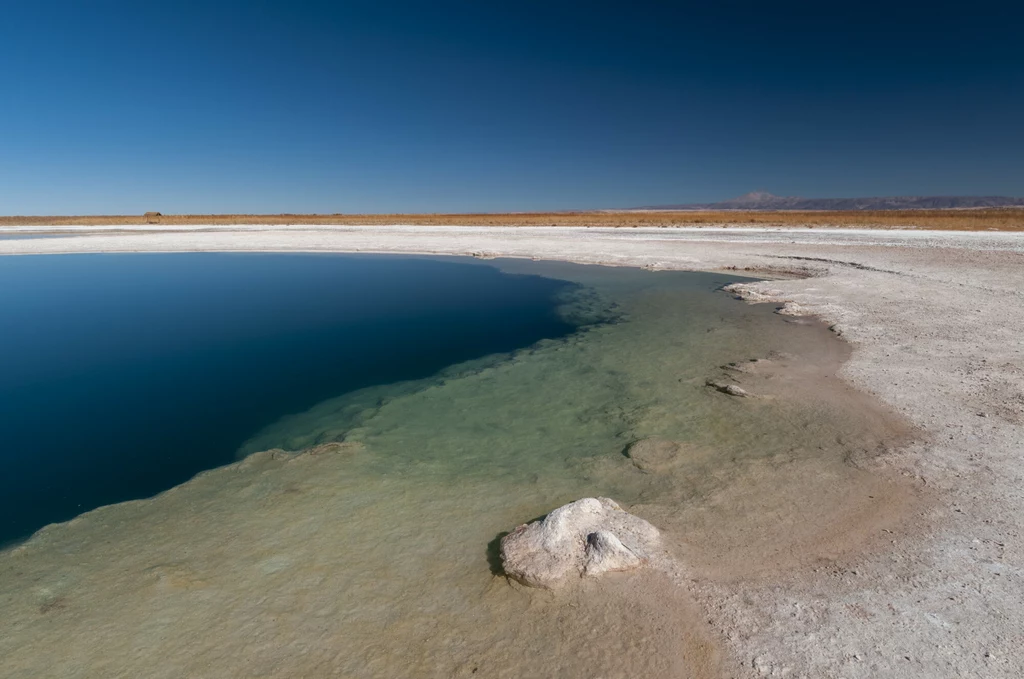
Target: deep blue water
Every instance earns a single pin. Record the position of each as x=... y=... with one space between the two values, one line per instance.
x=124 y=375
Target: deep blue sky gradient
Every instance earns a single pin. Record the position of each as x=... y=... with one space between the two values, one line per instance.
x=122 y=107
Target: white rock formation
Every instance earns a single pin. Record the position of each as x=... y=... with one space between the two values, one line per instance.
x=583 y=538
x=605 y=553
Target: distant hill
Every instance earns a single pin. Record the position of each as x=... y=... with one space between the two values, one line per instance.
x=760 y=200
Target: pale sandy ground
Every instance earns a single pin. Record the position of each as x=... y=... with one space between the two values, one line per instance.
x=936 y=320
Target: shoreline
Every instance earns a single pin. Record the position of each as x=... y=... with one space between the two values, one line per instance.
x=934 y=320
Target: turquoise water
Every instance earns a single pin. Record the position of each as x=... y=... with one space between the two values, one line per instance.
x=648 y=342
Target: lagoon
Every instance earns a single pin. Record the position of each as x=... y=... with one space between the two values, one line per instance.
x=356 y=533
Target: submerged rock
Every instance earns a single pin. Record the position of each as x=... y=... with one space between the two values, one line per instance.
x=655 y=455
x=583 y=538
x=333 y=447
x=752 y=365
x=730 y=389
x=278 y=454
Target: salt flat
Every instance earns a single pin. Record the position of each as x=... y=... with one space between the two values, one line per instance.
x=936 y=320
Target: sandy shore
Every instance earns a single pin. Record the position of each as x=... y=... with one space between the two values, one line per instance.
x=936 y=320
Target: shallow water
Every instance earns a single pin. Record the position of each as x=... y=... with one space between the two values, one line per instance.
x=377 y=557
x=561 y=405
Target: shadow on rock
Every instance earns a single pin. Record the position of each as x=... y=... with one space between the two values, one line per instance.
x=494 y=554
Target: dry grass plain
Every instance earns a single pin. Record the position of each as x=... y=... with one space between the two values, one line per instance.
x=1006 y=219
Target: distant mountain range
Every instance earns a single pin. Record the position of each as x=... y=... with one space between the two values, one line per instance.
x=759 y=200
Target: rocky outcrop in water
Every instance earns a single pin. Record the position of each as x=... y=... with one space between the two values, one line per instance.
x=583 y=538
x=730 y=389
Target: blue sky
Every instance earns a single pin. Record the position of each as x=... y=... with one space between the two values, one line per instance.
x=122 y=107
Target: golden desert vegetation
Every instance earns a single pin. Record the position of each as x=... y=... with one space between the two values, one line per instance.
x=989 y=219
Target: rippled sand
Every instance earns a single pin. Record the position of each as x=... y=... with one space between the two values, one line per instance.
x=376 y=557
